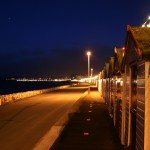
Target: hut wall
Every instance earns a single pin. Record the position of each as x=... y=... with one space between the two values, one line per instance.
x=147 y=107
x=127 y=97
x=119 y=105
x=107 y=95
x=123 y=96
x=140 y=109
x=107 y=91
x=100 y=86
x=140 y=106
x=104 y=89
x=111 y=98
x=134 y=117
x=118 y=109
x=114 y=99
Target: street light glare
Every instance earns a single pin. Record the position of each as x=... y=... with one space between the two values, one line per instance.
x=88 y=53
x=147 y=23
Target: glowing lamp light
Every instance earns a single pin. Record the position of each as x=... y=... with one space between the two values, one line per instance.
x=147 y=23
x=115 y=50
x=123 y=48
x=88 y=53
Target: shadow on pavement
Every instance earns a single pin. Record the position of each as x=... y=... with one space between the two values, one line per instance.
x=91 y=128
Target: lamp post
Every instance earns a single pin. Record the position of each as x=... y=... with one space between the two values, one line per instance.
x=91 y=72
x=92 y=76
x=88 y=54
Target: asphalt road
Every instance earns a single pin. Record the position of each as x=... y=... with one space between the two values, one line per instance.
x=23 y=123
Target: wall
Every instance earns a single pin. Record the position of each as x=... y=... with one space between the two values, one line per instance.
x=4 y=99
x=127 y=97
x=123 y=110
x=104 y=89
x=147 y=107
x=140 y=106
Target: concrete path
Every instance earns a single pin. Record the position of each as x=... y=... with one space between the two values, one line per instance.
x=91 y=128
x=26 y=123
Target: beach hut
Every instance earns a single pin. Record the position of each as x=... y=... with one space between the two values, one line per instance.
x=136 y=66
x=106 y=84
x=100 y=82
x=111 y=86
x=118 y=92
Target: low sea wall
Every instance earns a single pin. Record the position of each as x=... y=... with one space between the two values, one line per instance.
x=4 y=99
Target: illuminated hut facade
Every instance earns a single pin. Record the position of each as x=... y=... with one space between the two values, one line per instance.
x=136 y=66
x=119 y=103
x=126 y=89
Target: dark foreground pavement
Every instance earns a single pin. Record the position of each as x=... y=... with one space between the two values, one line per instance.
x=91 y=128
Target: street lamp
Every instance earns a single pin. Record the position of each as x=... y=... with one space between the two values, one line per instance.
x=147 y=23
x=88 y=54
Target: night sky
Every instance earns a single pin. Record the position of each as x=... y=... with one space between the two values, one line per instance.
x=40 y=38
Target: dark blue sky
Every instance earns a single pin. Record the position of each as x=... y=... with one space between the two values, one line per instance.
x=40 y=38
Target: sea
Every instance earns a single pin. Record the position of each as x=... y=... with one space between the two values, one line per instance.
x=13 y=86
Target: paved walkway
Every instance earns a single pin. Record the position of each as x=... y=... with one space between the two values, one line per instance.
x=89 y=129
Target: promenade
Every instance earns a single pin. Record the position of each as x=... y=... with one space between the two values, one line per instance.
x=91 y=128
x=27 y=124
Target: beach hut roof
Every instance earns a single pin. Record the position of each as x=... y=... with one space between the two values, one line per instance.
x=141 y=36
x=111 y=67
x=106 y=70
x=119 y=53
